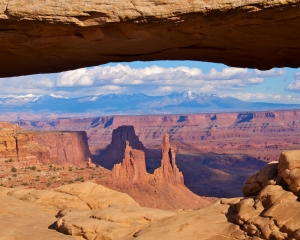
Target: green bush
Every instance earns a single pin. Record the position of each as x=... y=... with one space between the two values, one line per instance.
x=79 y=179
x=9 y=160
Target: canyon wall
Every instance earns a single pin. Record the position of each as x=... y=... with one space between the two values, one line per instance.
x=262 y=135
x=32 y=147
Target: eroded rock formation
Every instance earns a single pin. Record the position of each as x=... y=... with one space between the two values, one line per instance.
x=168 y=170
x=262 y=135
x=132 y=169
x=56 y=35
x=30 y=148
x=89 y=211
x=114 y=152
x=163 y=189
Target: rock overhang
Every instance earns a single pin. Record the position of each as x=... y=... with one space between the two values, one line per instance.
x=53 y=36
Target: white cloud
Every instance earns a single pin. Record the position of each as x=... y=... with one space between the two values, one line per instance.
x=294 y=85
x=152 y=80
x=73 y=78
x=263 y=97
x=164 y=78
x=255 y=80
x=270 y=73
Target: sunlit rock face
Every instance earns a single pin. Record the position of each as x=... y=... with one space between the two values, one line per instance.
x=32 y=147
x=52 y=36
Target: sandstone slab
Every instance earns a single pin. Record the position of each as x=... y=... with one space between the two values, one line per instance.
x=23 y=220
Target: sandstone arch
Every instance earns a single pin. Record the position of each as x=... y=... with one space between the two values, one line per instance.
x=50 y=36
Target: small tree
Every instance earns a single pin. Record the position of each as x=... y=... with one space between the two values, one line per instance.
x=13 y=169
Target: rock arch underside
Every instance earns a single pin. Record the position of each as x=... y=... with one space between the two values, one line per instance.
x=44 y=36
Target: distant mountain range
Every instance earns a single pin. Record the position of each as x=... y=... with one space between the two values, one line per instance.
x=135 y=104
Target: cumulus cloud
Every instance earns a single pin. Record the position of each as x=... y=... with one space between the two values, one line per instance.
x=151 y=80
x=270 y=73
x=294 y=85
x=263 y=97
x=165 y=79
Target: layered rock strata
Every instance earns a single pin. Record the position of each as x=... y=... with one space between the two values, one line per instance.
x=29 y=148
x=262 y=135
x=114 y=152
x=59 y=35
x=163 y=189
x=87 y=211
x=168 y=170
x=132 y=169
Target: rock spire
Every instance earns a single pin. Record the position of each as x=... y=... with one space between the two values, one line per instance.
x=132 y=169
x=168 y=169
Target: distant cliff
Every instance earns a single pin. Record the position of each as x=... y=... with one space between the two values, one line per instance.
x=31 y=147
x=263 y=135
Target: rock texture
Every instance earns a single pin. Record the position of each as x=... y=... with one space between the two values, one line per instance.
x=132 y=169
x=168 y=171
x=30 y=148
x=267 y=176
x=163 y=189
x=85 y=195
x=289 y=169
x=114 y=152
x=271 y=213
x=53 y=36
x=24 y=220
x=262 y=135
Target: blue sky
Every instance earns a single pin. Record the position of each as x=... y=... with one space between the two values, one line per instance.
x=161 y=78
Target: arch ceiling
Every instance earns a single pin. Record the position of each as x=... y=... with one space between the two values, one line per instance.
x=43 y=36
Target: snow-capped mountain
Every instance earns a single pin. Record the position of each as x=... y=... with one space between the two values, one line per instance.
x=179 y=102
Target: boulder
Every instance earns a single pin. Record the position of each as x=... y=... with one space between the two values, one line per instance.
x=289 y=169
x=267 y=176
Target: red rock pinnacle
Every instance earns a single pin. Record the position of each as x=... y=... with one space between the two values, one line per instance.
x=131 y=169
x=168 y=169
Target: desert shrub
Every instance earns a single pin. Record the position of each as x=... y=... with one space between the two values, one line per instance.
x=13 y=169
x=70 y=169
x=25 y=184
x=70 y=181
x=14 y=175
x=33 y=168
x=48 y=184
x=79 y=179
x=9 y=160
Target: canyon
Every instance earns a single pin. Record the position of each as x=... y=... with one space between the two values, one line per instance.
x=54 y=36
x=41 y=168
x=268 y=210
x=216 y=152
